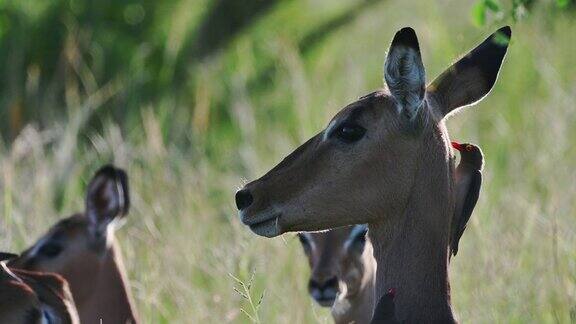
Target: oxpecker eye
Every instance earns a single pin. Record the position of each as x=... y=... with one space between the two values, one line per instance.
x=349 y=132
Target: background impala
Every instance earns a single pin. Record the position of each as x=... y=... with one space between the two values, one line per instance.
x=82 y=249
x=34 y=297
x=342 y=270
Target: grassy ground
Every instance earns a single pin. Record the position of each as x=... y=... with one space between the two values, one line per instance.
x=183 y=242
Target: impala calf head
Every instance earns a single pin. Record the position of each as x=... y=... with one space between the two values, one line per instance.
x=33 y=297
x=336 y=261
x=369 y=156
x=76 y=246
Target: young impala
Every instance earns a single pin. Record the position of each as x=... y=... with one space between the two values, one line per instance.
x=82 y=249
x=31 y=297
x=388 y=156
x=342 y=272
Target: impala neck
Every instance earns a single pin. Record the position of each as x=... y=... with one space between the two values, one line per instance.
x=111 y=301
x=412 y=250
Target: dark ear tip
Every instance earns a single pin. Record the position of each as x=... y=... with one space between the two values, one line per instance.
x=502 y=37
x=364 y=229
x=506 y=30
x=107 y=170
x=111 y=172
x=407 y=37
x=407 y=30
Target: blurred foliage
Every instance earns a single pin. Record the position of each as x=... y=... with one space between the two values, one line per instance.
x=58 y=53
x=500 y=11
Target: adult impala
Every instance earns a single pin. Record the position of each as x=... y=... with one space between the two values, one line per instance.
x=385 y=160
x=82 y=249
x=467 y=183
x=342 y=262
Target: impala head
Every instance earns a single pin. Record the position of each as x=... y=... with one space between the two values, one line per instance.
x=30 y=297
x=76 y=246
x=336 y=262
x=369 y=154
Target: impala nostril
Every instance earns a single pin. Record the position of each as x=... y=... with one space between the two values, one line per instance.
x=331 y=283
x=324 y=292
x=243 y=199
x=312 y=284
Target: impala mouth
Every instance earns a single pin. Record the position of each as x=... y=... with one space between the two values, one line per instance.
x=325 y=302
x=326 y=297
x=263 y=224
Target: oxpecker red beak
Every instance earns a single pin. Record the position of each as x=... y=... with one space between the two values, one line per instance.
x=457 y=146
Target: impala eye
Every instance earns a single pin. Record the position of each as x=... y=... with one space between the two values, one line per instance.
x=50 y=249
x=349 y=132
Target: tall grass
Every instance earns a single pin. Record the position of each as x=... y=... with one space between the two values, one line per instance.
x=255 y=101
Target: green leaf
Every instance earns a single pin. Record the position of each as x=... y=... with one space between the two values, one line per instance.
x=479 y=13
x=562 y=3
x=492 y=5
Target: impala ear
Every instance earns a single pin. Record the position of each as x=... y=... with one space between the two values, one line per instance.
x=357 y=239
x=472 y=77
x=107 y=199
x=404 y=72
x=305 y=241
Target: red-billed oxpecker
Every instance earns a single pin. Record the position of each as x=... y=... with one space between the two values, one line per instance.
x=468 y=182
x=385 y=311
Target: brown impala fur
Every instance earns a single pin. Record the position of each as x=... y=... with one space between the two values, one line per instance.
x=467 y=183
x=32 y=297
x=82 y=249
x=343 y=272
x=385 y=160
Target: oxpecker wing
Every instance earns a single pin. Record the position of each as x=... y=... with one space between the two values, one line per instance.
x=385 y=311
x=468 y=183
